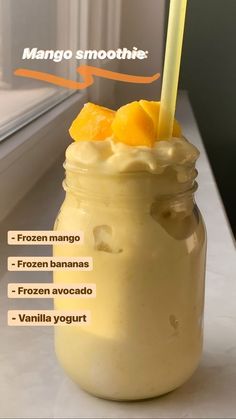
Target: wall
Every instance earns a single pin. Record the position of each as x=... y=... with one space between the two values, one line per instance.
x=142 y=23
x=209 y=74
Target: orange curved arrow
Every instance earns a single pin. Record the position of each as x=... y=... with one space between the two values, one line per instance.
x=88 y=72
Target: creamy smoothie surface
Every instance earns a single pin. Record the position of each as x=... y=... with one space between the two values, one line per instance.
x=132 y=195
x=112 y=157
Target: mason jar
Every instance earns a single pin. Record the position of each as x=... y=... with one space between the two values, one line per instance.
x=147 y=240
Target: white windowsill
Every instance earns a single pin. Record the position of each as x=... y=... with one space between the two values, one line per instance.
x=28 y=153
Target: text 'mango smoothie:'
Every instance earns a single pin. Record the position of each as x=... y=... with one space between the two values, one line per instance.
x=132 y=195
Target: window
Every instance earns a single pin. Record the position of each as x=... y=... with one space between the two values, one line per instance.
x=44 y=110
x=49 y=25
x=46 y=25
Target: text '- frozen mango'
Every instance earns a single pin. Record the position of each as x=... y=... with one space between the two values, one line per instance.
x=133 y=126
x=92 y=123
x=153 y=109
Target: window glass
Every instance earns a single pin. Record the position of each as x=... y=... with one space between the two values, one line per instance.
x=41 y=24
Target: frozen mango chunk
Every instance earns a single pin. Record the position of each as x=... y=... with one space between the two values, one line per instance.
x=92 y=123
x=133 y=126
x=153 y=109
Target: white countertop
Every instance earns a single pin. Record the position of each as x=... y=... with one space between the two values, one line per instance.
x=32 y=385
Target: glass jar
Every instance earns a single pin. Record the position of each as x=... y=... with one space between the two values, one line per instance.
x=148 y=244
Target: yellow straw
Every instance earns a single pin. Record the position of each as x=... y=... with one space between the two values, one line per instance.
x=170 y=80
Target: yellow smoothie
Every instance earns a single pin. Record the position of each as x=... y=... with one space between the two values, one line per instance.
x=147 y=240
